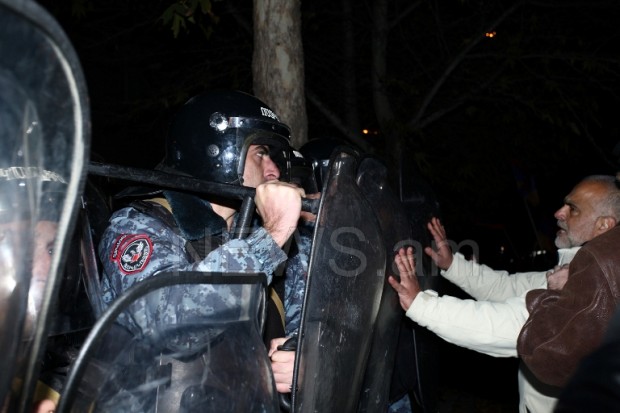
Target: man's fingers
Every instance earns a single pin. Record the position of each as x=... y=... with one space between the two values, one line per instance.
x=273 y=345
x=431 y=253
x=284 y=358
x=282 y=365
x=396 y=285
x=405 y=260
x=437 y=231
x=400 y=264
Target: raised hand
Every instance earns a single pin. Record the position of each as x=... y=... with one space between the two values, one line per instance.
x=408 y=287
x=442 y=254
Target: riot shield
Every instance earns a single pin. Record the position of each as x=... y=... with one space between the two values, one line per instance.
x=80 y=300
x=343 y=293
x=418 y=359
x=372 y=180
x=206 y=361
x=44 y=136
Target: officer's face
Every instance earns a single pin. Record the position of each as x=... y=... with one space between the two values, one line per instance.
x=44 y=237
x=259 y=168
x=14 y=254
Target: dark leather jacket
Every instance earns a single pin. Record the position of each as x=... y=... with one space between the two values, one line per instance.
x=564 y=326
x=595 y=387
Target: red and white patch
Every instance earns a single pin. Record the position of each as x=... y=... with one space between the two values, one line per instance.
x=132 y=252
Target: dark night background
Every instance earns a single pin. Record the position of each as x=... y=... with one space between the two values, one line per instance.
x=521 y=118
x=535 y=105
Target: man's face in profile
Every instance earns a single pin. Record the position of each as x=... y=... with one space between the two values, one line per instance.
x=14 y=238
x=44 y=238
x=259 y=167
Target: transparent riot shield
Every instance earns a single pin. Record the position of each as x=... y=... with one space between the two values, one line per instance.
x=144 y=356
x=44 y=135
x=372 y=180
x=345 y=282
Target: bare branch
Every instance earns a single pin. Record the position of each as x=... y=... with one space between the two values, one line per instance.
x=336 y=120
x=401 y=15
x=455 y=63
x=435 y=116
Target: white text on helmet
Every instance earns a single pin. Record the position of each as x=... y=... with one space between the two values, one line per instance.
x=20 y=172
x=269 y=113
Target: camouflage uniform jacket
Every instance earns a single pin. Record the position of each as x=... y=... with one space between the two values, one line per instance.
x=137 y=245
x=296 y=276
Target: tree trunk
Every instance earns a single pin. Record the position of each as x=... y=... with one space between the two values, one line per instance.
x=278 y=63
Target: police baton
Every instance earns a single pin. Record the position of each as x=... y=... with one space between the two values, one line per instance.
x=184 y=183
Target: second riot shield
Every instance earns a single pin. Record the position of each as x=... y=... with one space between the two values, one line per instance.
x=136 y=359
x=372 y=180
x=345 y=282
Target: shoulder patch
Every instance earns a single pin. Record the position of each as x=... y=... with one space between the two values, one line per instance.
x=132 y=252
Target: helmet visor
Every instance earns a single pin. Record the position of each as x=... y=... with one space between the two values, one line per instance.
x=259 y=132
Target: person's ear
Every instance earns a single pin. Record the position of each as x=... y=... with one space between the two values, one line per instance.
x=606 y=223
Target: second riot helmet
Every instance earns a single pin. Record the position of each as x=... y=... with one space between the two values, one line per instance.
x=318 y=152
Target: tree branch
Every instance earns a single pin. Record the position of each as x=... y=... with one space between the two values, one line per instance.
x=404 y=13
x=336 y=120
x=435 y=116
x=455 y=63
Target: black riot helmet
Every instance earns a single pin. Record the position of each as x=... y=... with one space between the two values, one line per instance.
x=210 y=135
x=302 y=173
x=319 y=151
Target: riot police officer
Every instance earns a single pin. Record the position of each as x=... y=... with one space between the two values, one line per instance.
x=226 y=137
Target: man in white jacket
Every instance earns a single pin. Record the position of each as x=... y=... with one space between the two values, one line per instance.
x=491 y=323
